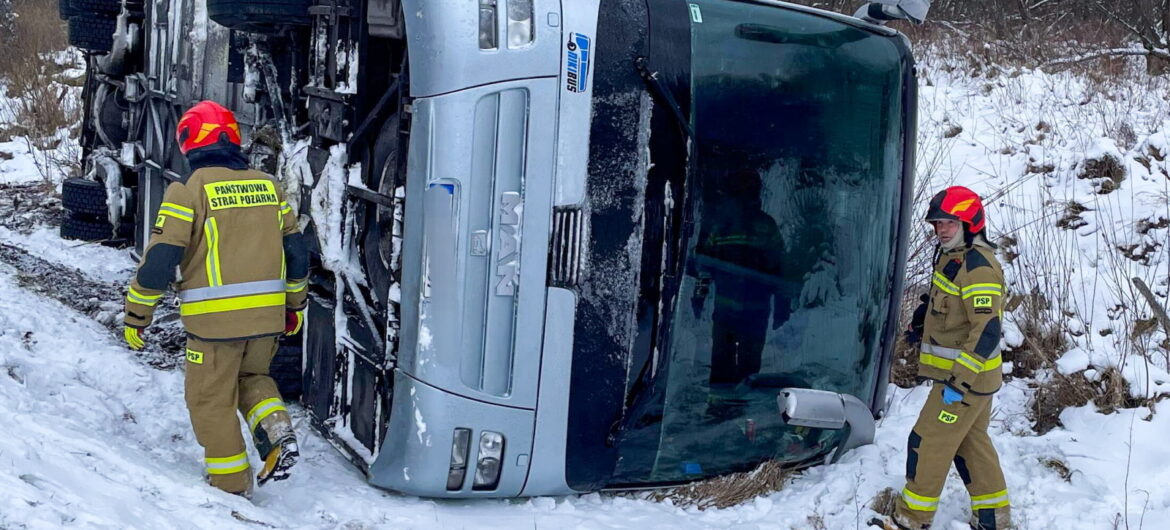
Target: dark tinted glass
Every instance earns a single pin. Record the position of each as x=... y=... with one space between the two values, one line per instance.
x=799 y=142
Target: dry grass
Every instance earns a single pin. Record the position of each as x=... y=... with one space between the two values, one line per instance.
x=1045 y=339
x=1053 y=397
x=1106 y=172
x=904 y=369
x=815 y=522
x=1057 y=466
x=729 y=490
x=37 y=107
x=1108 y=391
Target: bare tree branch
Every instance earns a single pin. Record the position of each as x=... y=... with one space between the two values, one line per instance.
x=1157 y=308
x=1114 y=52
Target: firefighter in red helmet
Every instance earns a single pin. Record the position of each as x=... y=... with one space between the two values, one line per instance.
x=959 y=351
x=243 y=272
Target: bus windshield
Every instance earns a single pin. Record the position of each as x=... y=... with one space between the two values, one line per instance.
x=795 y=198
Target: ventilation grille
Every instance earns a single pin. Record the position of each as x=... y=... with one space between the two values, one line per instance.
x=567 y=248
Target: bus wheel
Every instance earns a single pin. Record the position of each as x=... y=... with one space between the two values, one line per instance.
x=378 y=240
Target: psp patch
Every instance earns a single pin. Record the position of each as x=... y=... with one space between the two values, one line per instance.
x=194 y=357
x=947 y=417
x=982 y=304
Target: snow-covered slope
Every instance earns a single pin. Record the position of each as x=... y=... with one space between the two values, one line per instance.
x=95 y=438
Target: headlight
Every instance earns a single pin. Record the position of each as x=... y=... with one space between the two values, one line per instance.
x=487 y=466
x=460 y=445
x=488 y=28
x=519 y=23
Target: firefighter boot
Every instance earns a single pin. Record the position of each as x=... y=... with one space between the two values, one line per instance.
x=277 y=444
x=991 y=519
x=246 y=493
x=280 y=460
x=887 y=522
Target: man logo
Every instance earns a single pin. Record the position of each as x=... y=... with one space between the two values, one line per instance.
x=508 y=255
x=947 y=417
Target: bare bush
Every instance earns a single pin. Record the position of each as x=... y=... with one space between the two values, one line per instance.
x=1097 y=38
x=904 y=368
x=1059 y=393
x=1045 y=338
x=1106 y=171
x=1149 y=22
x=1107 y=390
x=36 y=105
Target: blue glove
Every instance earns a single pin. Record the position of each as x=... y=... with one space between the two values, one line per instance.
x=951 y=396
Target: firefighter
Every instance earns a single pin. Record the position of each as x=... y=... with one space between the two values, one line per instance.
x=740 y=253
x=959 y=344
x=243 y=272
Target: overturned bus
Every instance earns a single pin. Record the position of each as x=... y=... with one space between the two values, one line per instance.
x=559 y=246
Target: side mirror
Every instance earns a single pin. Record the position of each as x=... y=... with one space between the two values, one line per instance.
x=882 y=11
x=819 y=409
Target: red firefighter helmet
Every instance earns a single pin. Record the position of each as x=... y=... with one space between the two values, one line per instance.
x=205 y=124
x=958 y=204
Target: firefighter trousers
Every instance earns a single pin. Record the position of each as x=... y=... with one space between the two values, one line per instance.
x=223 y=378
x=946 y=434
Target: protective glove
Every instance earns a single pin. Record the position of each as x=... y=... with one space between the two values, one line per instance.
x=951 y=396
x=133 y=337
x=293 y=320
x=917 y=322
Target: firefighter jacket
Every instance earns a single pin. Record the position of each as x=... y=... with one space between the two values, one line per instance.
x=963 y=326
x=241 y=258
x=740 y=254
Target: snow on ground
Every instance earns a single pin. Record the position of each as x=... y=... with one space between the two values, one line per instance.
x=96 y=438
x=101 y=263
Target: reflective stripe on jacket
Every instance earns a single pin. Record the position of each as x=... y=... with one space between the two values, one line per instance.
x=963 y=326
x=231 y=228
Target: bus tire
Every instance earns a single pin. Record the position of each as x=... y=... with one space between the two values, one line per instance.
x=285 y=368
x=95 y=8
x=84 y=196
x=65 y=9
x=85 y=228
x=92 y=33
